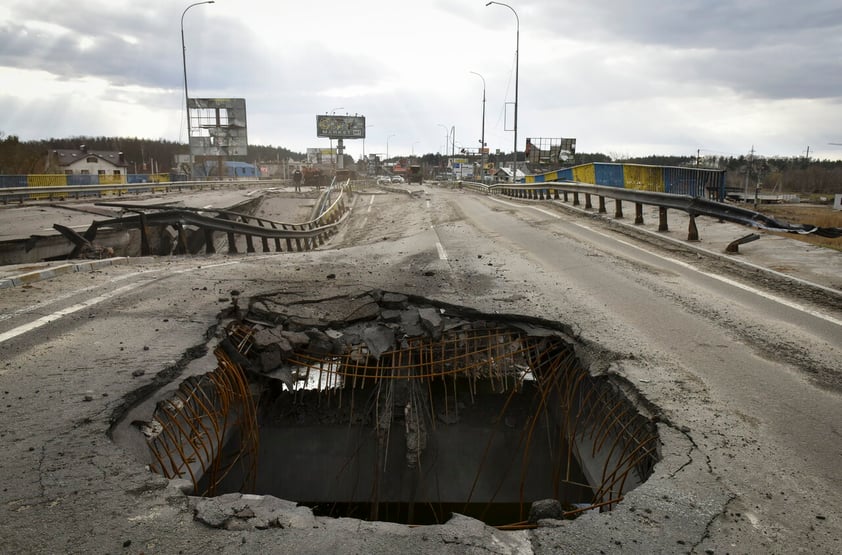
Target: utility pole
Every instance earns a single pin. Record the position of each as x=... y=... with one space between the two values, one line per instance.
x=748 y=172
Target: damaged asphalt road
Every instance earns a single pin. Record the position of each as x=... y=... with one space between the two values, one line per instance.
x=749 y=450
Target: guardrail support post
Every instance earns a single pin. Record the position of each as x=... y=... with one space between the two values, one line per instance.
x=734 y=246
x=662 y=219
x=618 y=209
x=181 y=248
x=602 y=209
x=575 y=198
x=588 y=205
x=693 y=232
x=565 y=196
x=638 y=213
x=209 y=246
x=144 y=237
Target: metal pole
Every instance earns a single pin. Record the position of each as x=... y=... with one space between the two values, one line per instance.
x=387 y=145
x=517 y=64
x=482 y=139
x=452 y=136
x=184 y=67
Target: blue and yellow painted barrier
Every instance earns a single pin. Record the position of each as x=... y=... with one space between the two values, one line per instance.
x=694 y=182
x=45 y=180
x=36 y=181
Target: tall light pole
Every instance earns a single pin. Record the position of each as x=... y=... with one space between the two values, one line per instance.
x=364 y=134
x=184 y=66
x=517 y=63
x=482 y=140
x=446 y=136
x=330 y=140
x=387 y=145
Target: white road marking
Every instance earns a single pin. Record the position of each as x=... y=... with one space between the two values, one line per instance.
x=728 y=281
x=370 y=204
x=44 y=320
x=442 y=252
x=513 y=205
x=738 y=285
x=30 y=308
x=57 y=315
x=439 y=246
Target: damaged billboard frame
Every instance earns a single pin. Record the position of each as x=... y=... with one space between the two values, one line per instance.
x=218 y=126
x=541 y=150
x=340 y=127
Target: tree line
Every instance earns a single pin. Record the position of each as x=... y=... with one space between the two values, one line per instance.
x=791 y=175
x=142 y=155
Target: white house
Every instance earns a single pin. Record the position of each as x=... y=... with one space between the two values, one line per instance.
x=86 y=162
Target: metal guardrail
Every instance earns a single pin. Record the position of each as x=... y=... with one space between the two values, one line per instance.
x=693 y=206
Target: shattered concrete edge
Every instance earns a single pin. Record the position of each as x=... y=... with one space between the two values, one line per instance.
x=55 y=271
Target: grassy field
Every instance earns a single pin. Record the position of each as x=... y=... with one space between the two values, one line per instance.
x=812 y=214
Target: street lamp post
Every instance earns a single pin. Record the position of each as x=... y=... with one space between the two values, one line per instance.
x=184 y=67
x=364 y=134
x=387 y=145
x=517 y=63
x=446 y=136
x=482 y=139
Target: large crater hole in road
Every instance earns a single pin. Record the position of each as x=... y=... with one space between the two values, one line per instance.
x=389 y=407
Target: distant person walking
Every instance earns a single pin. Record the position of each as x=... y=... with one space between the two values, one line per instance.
x=296 y=180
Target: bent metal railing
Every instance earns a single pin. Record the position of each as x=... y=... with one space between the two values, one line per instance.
x=296 y=237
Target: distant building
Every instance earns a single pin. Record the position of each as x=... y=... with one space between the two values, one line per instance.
x=231 y=169
x=86 y=162
x=504 y=175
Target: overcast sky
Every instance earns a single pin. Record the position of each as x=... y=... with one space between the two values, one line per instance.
x=624 y=77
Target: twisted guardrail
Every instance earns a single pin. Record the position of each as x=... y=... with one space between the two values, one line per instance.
x=295 y=236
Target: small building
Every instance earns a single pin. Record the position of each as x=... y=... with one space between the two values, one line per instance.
x=504 y=175
x=86 y=162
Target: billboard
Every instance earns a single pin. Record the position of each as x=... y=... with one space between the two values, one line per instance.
x=551 y=151
x=218 y=126
x=340 y=127
x=321 y=155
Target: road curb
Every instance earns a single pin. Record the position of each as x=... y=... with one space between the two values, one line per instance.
x=54 y=271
